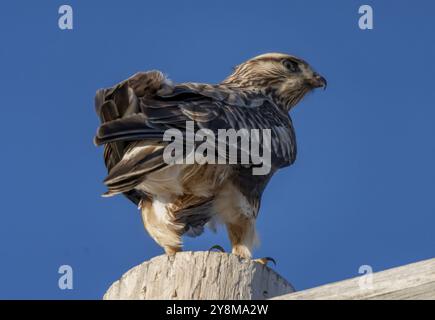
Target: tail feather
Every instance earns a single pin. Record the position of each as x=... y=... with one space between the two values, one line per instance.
x=128 y=128
x=194 y=218
x=122 y=122
x=127 y=168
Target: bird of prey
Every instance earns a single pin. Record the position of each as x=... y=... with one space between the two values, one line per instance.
x=178 y=199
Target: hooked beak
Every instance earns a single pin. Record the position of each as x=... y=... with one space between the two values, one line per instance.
x=318 y=81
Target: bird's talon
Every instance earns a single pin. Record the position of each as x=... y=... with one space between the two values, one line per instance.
x=217 y=247
x=265 y=260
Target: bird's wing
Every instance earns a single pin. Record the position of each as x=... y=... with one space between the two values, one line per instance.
x=210 y=107
x=119 y=101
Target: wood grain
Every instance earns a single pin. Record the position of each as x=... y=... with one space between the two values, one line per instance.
x=199 y=275
x=412 y=281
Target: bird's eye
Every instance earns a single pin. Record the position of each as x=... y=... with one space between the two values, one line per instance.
x=291 y=65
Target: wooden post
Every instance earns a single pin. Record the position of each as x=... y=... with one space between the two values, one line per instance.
x=199 y=275
x=408 y=282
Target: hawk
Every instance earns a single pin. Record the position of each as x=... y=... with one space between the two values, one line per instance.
x=178 y=199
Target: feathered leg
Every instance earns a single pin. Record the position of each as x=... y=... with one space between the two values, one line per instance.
x=163 y=231
x=242 y=235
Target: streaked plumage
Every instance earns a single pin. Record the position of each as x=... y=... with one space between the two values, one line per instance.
x=182 y=199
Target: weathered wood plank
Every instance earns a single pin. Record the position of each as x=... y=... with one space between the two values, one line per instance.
x=412 y=281
x=199 y=275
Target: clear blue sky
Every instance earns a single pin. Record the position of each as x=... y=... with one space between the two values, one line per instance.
x=362 y=190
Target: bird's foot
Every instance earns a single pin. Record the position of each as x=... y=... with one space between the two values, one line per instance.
x=171 y=251
x=265 y=260
x=217 y=247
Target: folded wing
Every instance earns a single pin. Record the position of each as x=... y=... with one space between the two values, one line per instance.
x=143 y=107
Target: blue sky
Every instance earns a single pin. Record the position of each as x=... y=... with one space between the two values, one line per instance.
x=360 y=192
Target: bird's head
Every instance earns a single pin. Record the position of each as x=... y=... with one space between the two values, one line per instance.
x=286 y=79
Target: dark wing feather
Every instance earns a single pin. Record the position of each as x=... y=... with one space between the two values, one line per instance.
x=128 y=115
x=119 y=102
x=211 y=107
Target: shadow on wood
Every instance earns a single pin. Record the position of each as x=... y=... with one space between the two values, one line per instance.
x=199 y=275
